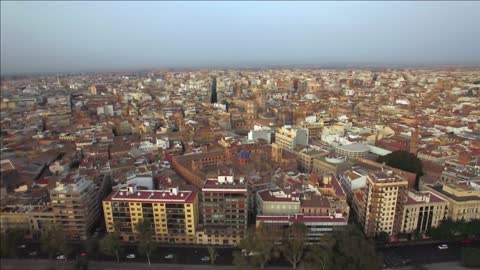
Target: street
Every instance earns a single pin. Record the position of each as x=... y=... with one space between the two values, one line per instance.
x=423 y=254
x=185 y=257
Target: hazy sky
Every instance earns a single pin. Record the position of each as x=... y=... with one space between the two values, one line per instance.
x=83 y=36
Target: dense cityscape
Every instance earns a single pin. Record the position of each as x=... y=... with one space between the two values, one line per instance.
x=312 y=167
x=201 y=156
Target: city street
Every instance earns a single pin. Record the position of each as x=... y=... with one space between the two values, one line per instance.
x=423 y=254
x=182 y=256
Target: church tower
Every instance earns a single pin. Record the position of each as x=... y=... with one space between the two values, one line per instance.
x=414 y=142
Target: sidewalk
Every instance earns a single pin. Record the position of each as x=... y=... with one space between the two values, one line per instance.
x=9 y=264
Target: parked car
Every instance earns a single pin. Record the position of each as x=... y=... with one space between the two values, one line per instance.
x=443 y=246
x=169 y=256
x=22 y=246
x=61 y=257
x=131 y=256
x=251 y=253
x=205 y=259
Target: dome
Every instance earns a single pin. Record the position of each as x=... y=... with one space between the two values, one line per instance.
x=244 y=154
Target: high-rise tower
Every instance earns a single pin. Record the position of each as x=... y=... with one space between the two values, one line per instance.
x=213 y=97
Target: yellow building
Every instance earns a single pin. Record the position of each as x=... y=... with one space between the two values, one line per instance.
x=173 y=213
x=421 y=211
x=463 y=198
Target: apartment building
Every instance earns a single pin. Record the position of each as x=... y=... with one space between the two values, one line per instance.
x=172 y=213
x=463 y=198
x=277 y=203
x=306 y=157
x=75 y=203
x=288 y=137
x=317 y=226
x=225 y=211
x=378 y=207
x=421 y=211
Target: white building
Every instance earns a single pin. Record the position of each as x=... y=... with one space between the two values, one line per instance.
x=260 y=132
x=289 y=137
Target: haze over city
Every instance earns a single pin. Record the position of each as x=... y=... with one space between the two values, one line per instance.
x=40 y=37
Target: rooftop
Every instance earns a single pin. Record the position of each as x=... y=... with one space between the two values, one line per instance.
x=152 y=196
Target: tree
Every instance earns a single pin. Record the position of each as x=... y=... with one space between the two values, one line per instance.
x=92 y=246
x=146 y=245
x=53 y=240
x=405 y=161
x=81 y=263
x=444 y=231
x=382 y=237
x=110 y=244
x=365 y=257
x=258 y=246
x=212 y=253
x=293 y=247
x=9 y=241
x=317 y=257
x=471 y=257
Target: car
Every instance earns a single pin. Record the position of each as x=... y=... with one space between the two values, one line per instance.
x=251 y=253
x=131 y=256
x=83 y=254
x=205 y=259
x=61 y=257
x=169 y=256
x=22 y=246
x=443 y=246
x=33 y=253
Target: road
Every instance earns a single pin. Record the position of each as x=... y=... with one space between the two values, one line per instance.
x=393 y=256
x=439 y=266
x=424 y=254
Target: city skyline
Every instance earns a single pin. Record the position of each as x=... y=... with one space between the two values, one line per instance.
x=87 y=37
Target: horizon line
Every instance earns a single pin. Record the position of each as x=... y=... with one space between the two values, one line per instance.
x=332 y=66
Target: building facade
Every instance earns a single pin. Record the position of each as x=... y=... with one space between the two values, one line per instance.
x=75 y=204
x=379 y=209
x=172 y=213
x=225 y=211
x=288 y=137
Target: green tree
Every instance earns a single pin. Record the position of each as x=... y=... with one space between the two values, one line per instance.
x=382 y=237
x=81 y=263
x=53 y=240
x=293 y=247
x=405 y=161
x=212 y=253
x=110 y=245
x=364 y=257
x=9 y=241
x=446 y=230
x=471 y=257
x=317 y=257
x=146 y=244
x=92 y=246
x=242 y=262
x=258 y=245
